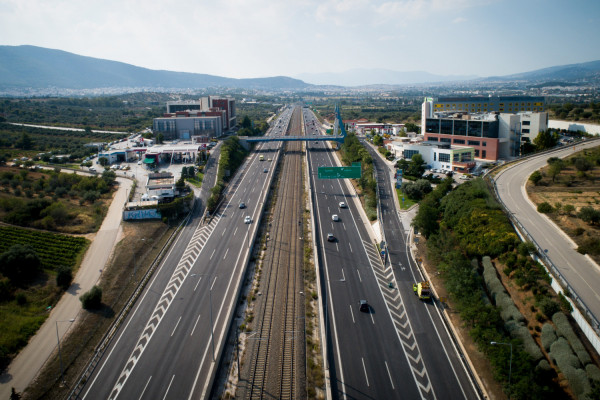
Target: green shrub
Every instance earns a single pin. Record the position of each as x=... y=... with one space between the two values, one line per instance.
x=518 y=331
x=92 y=299
x=64 y=277
x=578 y=380
x=548 y=336
x=564 y=329
x=545 y=208
x=549 y=307
x=561 y=354
x=592 y=372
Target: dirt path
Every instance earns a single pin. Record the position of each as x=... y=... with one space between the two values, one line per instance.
x=25 y=367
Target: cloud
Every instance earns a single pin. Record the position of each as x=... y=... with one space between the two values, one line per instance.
x=459 y=20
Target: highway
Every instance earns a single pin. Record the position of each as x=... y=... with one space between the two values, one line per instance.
x=582 y=274
x=165 y=348
x=398 y=349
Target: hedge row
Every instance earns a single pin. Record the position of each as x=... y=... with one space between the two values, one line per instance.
x=512 y=317
x=569 y=354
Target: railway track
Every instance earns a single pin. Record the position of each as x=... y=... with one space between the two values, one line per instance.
x=277 y=347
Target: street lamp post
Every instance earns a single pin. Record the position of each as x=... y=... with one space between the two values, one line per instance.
x=62 y=376
x=509 y=363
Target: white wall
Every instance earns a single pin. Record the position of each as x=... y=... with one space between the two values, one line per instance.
x=574 y=126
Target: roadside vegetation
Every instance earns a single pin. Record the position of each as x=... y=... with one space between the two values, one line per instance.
x=55 y=201
x=567 y=191
x=583 y=112
x=500 y=292
x=35 y=269
x=352 y=151
x=232 y=156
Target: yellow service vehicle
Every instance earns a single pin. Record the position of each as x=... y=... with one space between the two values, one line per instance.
x=422 y=290
x=261 y=158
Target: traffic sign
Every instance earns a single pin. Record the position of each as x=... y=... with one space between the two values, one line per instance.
x=352 y=172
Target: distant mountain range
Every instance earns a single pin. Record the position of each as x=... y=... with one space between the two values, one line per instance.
x=363 y=77
x=38 y=67
x=34 y=68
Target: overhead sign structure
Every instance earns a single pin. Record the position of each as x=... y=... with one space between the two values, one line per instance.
x=352 y=172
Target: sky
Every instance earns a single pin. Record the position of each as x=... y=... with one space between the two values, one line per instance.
x=260 y=38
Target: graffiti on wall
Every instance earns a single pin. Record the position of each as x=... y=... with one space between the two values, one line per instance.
x=141 y=214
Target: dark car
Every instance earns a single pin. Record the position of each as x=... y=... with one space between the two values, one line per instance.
x=242 y=205
x=364 y=306
x=330 y=237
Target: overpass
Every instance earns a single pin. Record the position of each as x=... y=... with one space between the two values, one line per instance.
x=339 y=134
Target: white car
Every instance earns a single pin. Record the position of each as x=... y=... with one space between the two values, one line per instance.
x=335 y=217
x=247 y=220
x=342 y=204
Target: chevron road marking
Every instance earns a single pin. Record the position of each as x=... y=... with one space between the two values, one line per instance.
x=189 y=257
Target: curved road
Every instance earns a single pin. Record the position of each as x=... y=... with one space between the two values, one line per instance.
x=582 y=274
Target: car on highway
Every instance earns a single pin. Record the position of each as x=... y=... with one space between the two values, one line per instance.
x=247 y=220
x=330 y=237
x=265 y=170
x=363 y=306
x=335 y=217
x=342 y=204
x=242 y=205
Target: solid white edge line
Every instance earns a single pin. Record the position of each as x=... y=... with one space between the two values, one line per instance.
x=145 y=387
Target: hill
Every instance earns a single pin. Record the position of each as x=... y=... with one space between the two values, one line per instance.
x=40 y=68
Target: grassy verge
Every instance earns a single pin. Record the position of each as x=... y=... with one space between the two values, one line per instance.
x=405 y=202
x=197 y=180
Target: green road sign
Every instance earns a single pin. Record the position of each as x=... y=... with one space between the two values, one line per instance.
x=340 y=172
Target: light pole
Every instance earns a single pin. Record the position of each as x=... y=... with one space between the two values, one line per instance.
x=509 y=363
x=62 y=376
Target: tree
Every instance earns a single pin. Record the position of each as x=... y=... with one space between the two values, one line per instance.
x=20 y=264
x=589 y=214
x=25 y=143
x=246 y=122
x=64 y=277
x=546 y=140
x=555 y=169
x=416 y=166
x=536 y=177
x=377 y=140
x=92 y=299
x=103 y=161
x=411 y=127
x=160 y=138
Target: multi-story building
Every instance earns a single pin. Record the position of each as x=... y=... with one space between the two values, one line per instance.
x=491 y=135
x=482 y=104
x=186 y=126
x=197 y=119
x=442 y=156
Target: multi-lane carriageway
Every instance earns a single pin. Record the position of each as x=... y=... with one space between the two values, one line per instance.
x=401 y=348
x=169 y=346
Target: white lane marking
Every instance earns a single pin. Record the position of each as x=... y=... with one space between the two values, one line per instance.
x=372 y=319
x=343 y=276
x=350 y=247
x=176 y=325
x=226 y=251
x=352 y=314
x=170 y=383
x=344 y=225
x=336 y=246
x=213 y=253
x=195 y=287
x=389 y=375
x=234 y=232
x=194 y=328
x=224 y=230
x=142 y=395
x=213 y=284
x=359 y=278
x=365 y=369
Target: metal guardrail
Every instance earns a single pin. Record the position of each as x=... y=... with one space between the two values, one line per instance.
x=549 y=264
x=105 y=342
